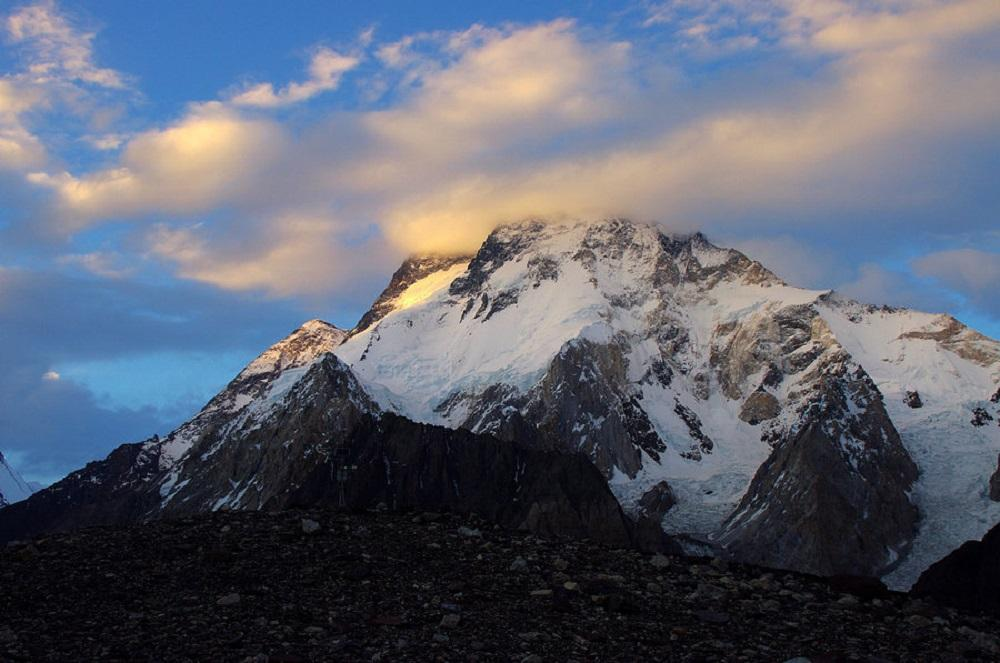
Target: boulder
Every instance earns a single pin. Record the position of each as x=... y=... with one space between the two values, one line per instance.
x=656 y=501
x=760 y=406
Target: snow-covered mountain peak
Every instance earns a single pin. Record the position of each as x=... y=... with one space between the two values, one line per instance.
x=12 y=487
x=302 y=346
x=253 y=393
x=533 y=286
x=680 y=367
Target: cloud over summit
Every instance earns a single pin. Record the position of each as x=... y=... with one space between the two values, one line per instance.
x=471 y=128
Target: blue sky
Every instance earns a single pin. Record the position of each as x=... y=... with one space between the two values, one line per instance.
x=183 y=183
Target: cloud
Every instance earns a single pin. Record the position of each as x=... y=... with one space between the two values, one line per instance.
x=846 y=140
x=210 y=157
x=105 y=142
x=295 y=254
x=972 y=273
x=794 y=261
x=880 y=286
x=48 y=320
x=100 y=263
x=842 y=26
x=325 y=71
x=55 y=426
x=502 y=89
x=497 y=123
x=19 y=148
x=55 y=49
x=57 y=70
x=715 y=28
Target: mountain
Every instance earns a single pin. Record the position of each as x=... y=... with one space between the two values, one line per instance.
x=788 y=427
x=566 y=369
x=270 y=439
x=12 y=487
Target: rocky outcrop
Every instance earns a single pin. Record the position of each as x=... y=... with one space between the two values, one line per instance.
x=502 y=245
x=980 y=417
x=969 y=577
x=913 y=400
x=833 y=498
x=419 y=467
x=656 y=501
x=584 y=401
x=967 y=343
x=760 y=406
x=115 y=490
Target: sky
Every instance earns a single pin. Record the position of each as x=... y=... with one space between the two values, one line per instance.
x=184 y=183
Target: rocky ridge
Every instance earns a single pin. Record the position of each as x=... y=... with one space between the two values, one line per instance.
x=12 y=487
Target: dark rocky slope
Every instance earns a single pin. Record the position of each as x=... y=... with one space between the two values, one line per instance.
x=842 y=508
x=969 y=577
x=322 y=586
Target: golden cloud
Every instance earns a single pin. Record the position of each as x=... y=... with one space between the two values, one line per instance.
x=208 y=158
x=551 y=121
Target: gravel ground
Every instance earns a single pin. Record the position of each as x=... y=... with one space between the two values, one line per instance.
x=329 y=586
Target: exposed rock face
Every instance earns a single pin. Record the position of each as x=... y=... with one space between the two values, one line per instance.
x=585 y=401
x=968 y=577
x=980 y=416
x=833 y=497
x=959 y=339
x=110 y=491
x=417 y=466
x=913 y=400
x=760 y=406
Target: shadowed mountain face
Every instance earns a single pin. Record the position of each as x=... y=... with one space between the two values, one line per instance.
x=969 y=577
x=285 y=459
x=567 y=369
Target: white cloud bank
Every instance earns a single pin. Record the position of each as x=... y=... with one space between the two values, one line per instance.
x=492 y=124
